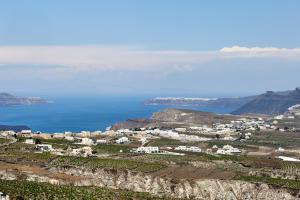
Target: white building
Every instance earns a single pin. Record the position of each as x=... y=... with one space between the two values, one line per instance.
x=228 y=150
x=87 y=141
x=70 y=138
x=147 y=150
x=58 y=135
x=84 y=151
x=101 y=141
x=85 y=134
x=190 y=149
x=44 y=147
x=4 y=196
x=143 y=140
x=26 y=132
x=285 y=158
x=122 y=140
x=280 y=149
x=29 y=141
x=124 y=131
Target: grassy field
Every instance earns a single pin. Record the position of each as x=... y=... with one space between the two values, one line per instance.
x=3 y=140
x=95 y=163
x=275 y=139
x=168 y=142
x=111 y=148
x=45 y=191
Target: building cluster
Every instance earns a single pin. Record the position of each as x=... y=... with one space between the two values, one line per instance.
x=148 y=149
x=244 y=124
x=176 y=136
x=188 y=149
x=292 y=113
x=226 y=150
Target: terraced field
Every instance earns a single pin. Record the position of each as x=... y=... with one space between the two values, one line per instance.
x=95 y=163
x=286 y=183
x=43 y=191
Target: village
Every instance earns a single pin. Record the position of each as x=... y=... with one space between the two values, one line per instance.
x=139 y=139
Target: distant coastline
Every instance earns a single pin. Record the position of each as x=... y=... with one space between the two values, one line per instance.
x=7 y=99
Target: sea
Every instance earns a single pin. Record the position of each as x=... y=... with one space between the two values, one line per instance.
x=77 y=114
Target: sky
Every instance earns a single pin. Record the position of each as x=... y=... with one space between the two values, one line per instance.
x=137 y=47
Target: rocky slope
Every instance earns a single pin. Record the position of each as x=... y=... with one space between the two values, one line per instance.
x=159 y=186
x=189 y=117
x=271 y=103
x=172 y=118
x=11 y=100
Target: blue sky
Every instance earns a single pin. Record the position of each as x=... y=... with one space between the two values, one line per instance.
x=169 y=47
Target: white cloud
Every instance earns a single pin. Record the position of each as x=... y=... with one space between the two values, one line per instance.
x=127 y=57
x=237 y=51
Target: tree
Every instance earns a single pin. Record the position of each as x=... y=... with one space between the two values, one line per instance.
x=38 y=141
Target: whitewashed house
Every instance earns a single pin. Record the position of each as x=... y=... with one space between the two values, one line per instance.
x=122 y=140
x=101 y=141
x=143 y=140
x=190 y=149
x=84 y=151
x=87 y=141
x=29 y=141
x=69 y=138
x=25 y=131
x=147 y=150
x=228 y=150
x=4 y=196
x=44 y=147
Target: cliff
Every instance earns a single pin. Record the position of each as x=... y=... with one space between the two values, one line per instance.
x=159 y=186
x=271 y=103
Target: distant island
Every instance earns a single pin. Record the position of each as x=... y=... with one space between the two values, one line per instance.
x=15 y=128
x=269 y=103
x=7 y=99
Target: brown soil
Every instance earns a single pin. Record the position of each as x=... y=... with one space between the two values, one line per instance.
x=26 y=169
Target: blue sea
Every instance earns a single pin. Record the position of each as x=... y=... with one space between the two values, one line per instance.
x=81 y=113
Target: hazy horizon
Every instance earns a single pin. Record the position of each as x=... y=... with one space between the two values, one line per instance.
x=169 y=48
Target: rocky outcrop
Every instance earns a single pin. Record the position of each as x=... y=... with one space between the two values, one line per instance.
x=189 y=117
x=131 y=124
x=173 y=118
x=159 y=186
x=182 y=188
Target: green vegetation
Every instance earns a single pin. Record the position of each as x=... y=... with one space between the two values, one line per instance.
x=60 y=143
x=95 y=163
x=287 y=183
x=43 y=191
x=3 y=140
x=167 y=142
x=111 y=148
x=56 y=141
x=41 y=158
x=184 y=160
x=274 y=139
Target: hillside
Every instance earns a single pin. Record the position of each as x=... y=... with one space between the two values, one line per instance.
x=271 y=103
x=173 y=118
x=7 y=99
